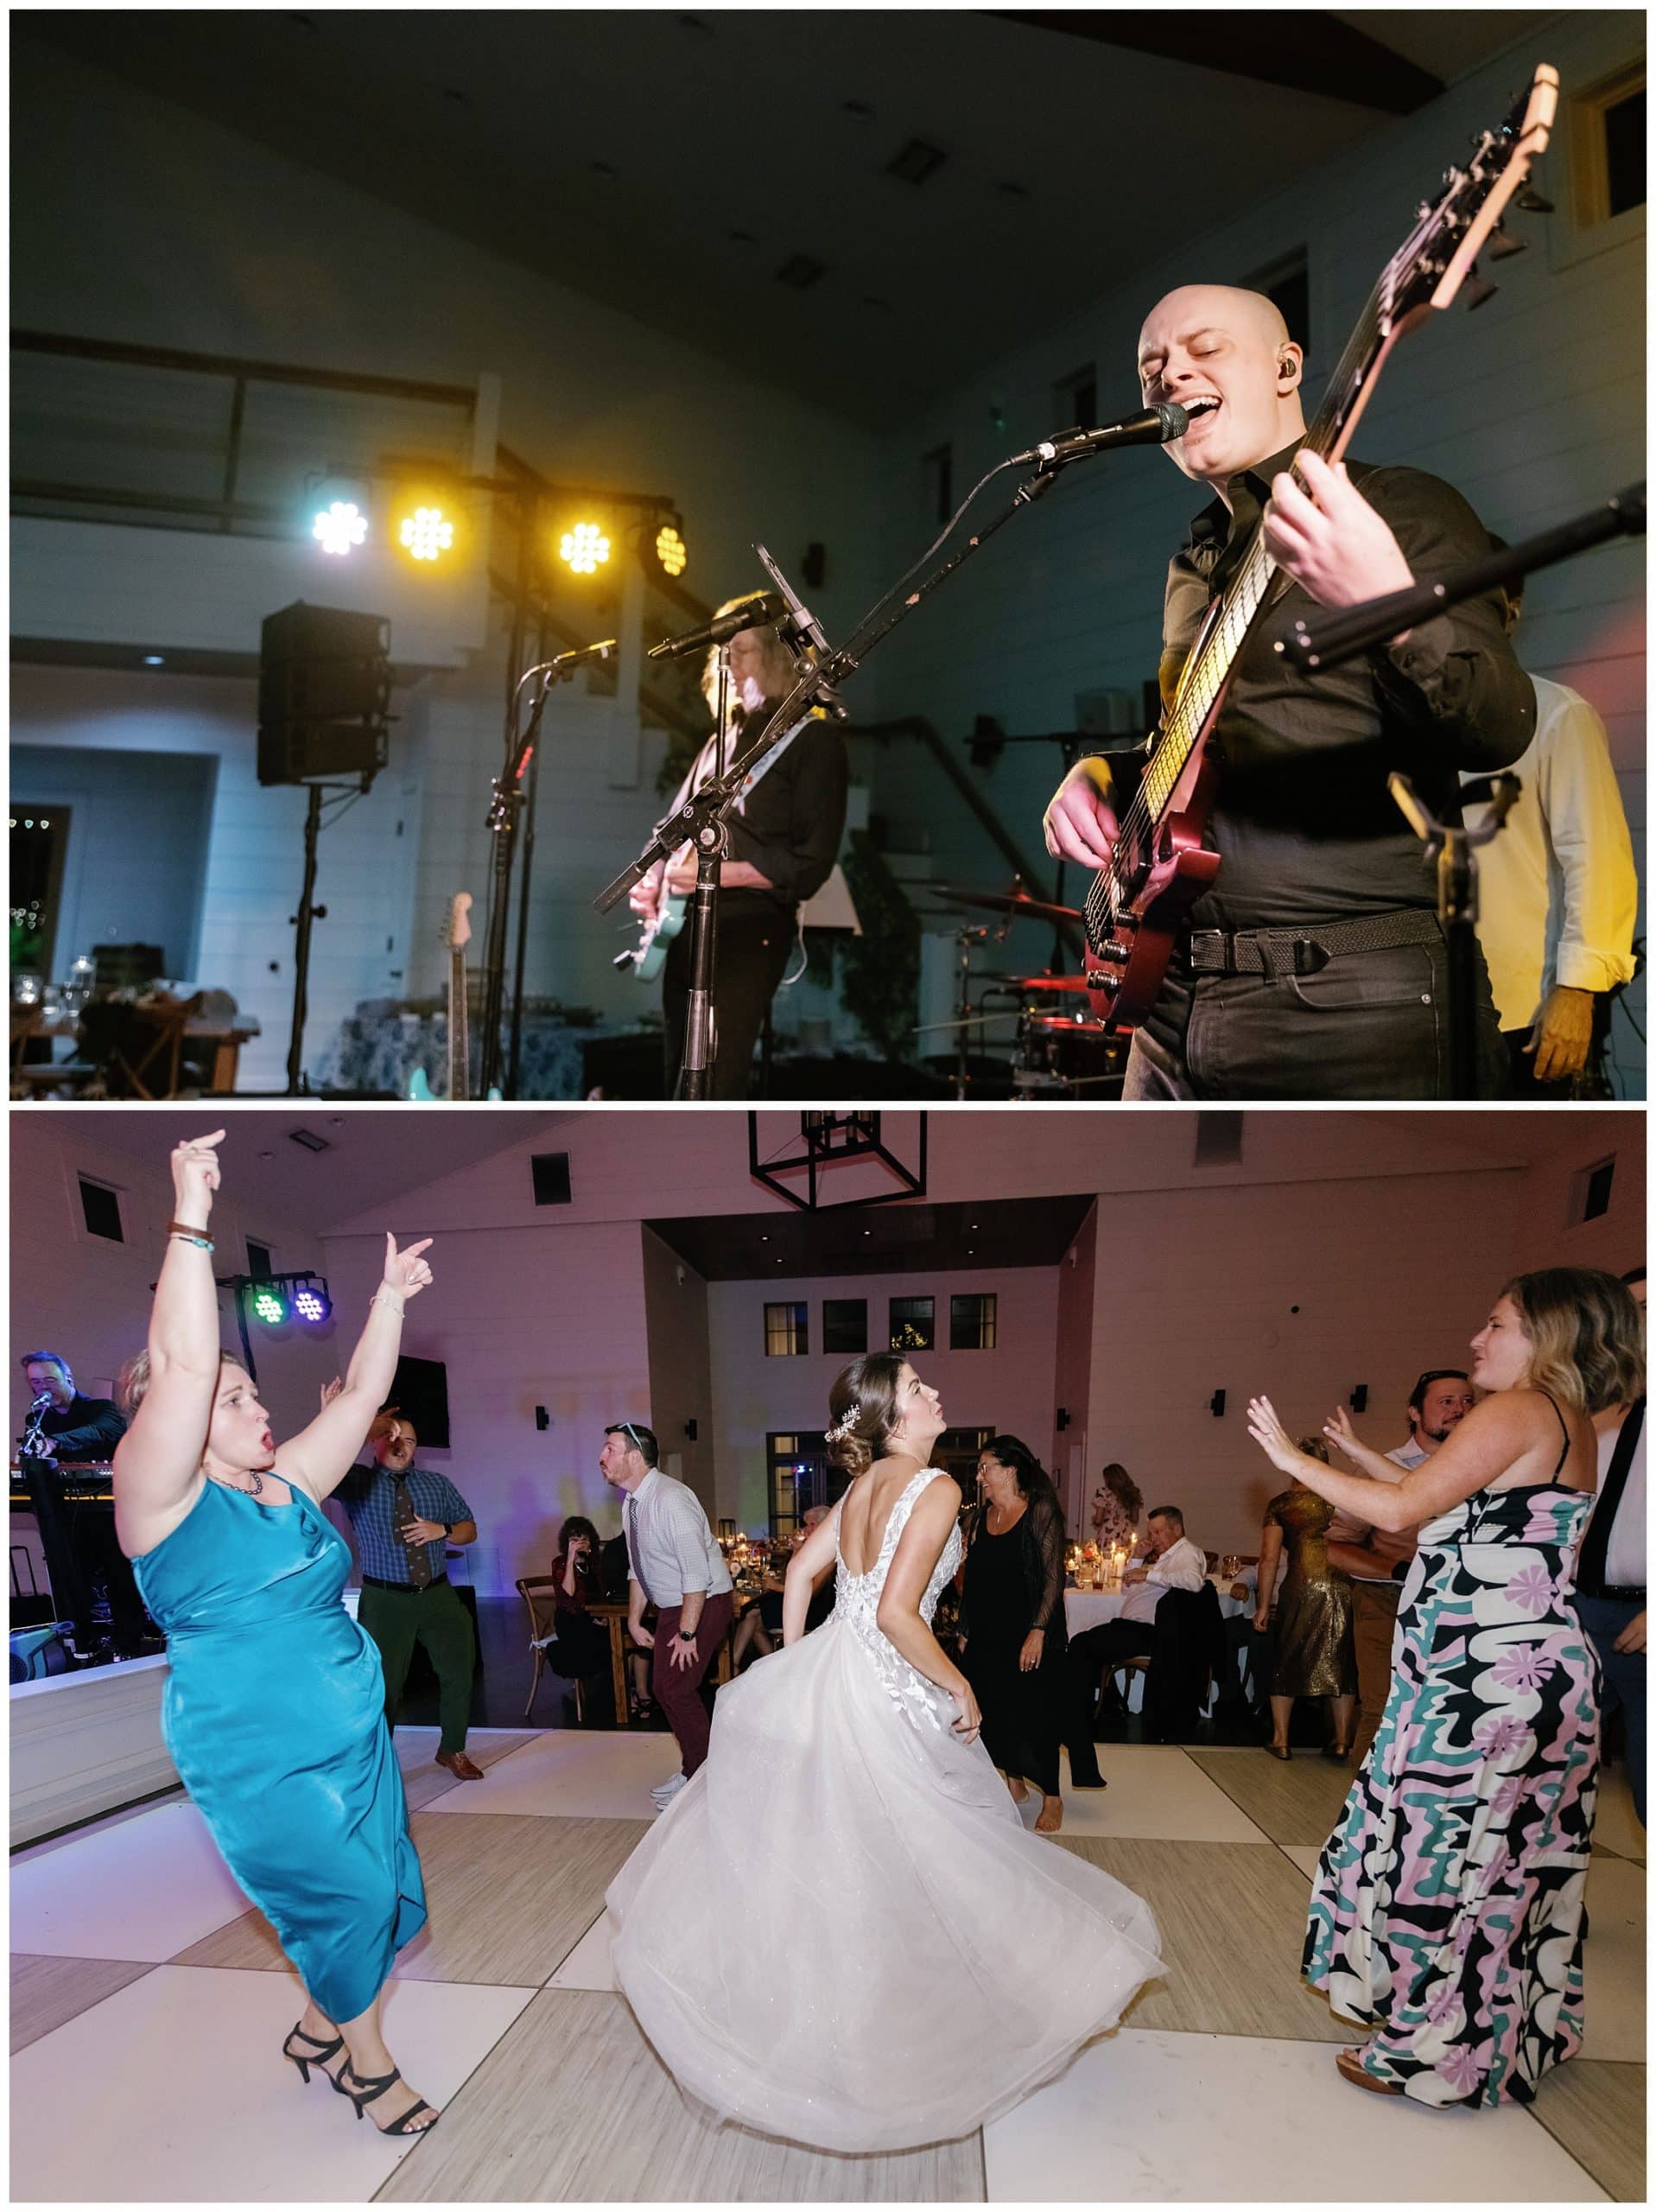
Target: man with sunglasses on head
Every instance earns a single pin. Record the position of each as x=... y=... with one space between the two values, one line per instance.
x=674 y=1563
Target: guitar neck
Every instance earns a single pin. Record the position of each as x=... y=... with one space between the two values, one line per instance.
x=460 y=1050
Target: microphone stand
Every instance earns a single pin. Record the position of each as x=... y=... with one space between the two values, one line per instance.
x=713 y=843
x=701 y=820
x=1452 y=846
x=1357 y=629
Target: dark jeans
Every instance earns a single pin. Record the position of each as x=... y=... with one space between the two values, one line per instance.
x=1092 y=1654
x=751 y=958
x=1604 y=1618
x=397 y=1620
x=1370 y=1025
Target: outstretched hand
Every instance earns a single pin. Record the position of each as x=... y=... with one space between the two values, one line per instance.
x=1340 y=1432
x=195 y=1177
x=406 y=1272
x=1264 y=1426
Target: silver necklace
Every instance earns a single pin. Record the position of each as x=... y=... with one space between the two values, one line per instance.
x=254 y=1486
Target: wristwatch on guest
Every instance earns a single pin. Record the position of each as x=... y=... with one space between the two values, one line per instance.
x=449 y=1529
x=684 y=1635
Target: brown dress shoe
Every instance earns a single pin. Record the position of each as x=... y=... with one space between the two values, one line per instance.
x=463 y=1769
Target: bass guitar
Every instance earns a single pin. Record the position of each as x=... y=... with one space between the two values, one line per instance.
x=1158 y=867
x=456 y=935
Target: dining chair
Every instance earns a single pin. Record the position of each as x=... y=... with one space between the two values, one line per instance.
x=538 y=1591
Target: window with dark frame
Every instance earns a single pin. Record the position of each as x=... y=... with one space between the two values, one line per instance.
x=913 y=1327
x=1288 y=282
x=787 y=1331
x=1624 y=153
x=799 y=1477
x=845 y=1324
x=100 y=1209
x=972 y=1322
x=261 y=1262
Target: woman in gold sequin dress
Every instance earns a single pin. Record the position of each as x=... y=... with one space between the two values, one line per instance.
x=1314 y=1654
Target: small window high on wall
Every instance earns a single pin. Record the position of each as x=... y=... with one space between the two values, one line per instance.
x=972 y=1322
x=100 y=1209
x=1607 y=140
x=913 y=1326
x=1288 y=282
x=787 y=1331
x=845 y=1324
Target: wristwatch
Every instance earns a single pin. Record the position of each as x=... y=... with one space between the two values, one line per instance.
x=448 y=1528
x=684 y=1635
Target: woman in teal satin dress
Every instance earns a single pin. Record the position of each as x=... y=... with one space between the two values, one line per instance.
x=274 y=1705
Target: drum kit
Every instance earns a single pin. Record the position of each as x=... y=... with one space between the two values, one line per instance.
x=1058 y=1049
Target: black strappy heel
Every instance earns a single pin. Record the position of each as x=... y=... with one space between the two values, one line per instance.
x=364 y=2093
x=318 y=2055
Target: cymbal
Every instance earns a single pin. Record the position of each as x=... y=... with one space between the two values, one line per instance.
x=1042 y=982
x=1005 y=902
x=1067 y=1025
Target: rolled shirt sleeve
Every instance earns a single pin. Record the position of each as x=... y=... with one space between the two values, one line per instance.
x=1458 y=672
x=1184 y=1566
x=1587 y=829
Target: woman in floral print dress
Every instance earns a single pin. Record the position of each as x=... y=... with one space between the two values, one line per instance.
x=1448 y=1908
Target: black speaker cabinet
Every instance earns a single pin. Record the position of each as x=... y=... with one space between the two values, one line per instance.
x=325 y=695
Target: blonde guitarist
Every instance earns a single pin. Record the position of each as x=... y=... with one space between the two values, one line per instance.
x=785 y=835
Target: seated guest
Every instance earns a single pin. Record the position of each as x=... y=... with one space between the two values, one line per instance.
x=1117 y=1503
x=1314 y=1654
x=1171 y=1562
x=578 y=1645
x=760 y=1630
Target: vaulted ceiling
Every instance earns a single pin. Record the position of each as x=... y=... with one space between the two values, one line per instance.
x=860 y=206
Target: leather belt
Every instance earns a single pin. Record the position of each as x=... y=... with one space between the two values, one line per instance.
x=1616 y=1595
x=403 y=1589
x=1302 y=952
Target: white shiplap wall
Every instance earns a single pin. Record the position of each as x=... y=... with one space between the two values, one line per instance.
x=1532 y=406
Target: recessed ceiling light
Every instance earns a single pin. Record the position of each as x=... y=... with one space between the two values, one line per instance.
x=765 y=1239
x=155 y=660
x=309 y=1141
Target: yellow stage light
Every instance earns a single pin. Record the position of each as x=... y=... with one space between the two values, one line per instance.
x=671 y=551
x=427 y=533
x=340 y=526
x=584 y=548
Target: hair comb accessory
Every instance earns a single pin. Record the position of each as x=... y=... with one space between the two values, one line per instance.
x=841 y=1430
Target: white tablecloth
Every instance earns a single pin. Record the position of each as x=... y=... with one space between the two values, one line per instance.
x=1084 y=1609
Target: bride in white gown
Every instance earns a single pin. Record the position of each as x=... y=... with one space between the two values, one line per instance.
x=840 y=1932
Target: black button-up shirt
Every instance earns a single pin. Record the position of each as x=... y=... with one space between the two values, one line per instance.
x=790 y=824
x=1305 y=824
x=87 y=1428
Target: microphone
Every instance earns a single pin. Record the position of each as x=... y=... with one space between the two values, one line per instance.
x=554 y=669
x=1153 y=426
x=750 y=614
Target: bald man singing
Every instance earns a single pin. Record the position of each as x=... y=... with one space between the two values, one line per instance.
x=1314 y=967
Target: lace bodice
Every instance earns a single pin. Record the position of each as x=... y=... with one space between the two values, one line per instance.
x=857 y=1607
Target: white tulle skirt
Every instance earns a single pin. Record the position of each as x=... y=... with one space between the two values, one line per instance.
x=840 y=1933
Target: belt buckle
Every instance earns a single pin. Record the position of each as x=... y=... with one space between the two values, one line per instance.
x=1219 y=941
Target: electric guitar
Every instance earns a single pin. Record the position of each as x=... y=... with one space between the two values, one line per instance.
x=456 y=935
x=649 y=956
x=1157 y=867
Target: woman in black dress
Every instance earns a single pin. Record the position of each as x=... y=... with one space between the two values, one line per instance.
x=1012 y=1636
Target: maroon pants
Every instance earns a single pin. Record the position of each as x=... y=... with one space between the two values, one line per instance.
x=678 y=1688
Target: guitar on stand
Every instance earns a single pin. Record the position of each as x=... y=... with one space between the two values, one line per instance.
x=1158 y=867
x=456 y=935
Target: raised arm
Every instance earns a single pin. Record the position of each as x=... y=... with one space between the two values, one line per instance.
x=1340 y=1432
x=1490 y=1442
x=918 y=1549
x=320 y=1456
x=157 y=1473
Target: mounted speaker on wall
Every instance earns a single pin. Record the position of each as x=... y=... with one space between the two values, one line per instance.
x=550 y=1171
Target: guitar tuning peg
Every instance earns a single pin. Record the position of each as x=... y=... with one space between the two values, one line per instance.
x=1530 y=202
x=1503 y=245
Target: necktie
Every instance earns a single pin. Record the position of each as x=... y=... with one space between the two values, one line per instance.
x=403 y=1515
x=630 y=1523
x=1596 y=1544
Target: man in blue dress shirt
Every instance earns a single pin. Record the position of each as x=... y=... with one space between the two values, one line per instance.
x=403 y=1518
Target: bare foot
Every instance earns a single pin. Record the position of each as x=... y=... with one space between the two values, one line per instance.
x=1049 y=1819
x=1019 y=1787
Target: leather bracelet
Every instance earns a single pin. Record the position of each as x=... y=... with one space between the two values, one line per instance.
x=190 y=1234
